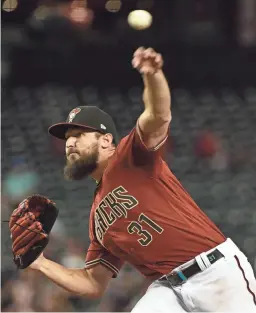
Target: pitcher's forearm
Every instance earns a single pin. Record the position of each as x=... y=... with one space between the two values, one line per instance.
x=73 y=280
x=157 y=95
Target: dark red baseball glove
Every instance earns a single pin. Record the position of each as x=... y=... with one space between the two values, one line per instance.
x=30 y=225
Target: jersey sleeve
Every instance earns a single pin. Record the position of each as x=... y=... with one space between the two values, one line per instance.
x=97 y=254
x=136 y=153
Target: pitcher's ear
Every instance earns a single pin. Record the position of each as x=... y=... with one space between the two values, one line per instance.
x=106 y=140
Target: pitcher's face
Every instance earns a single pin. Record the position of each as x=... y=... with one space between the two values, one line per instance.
x=82 y=153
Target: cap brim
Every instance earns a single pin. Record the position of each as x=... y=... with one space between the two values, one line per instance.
x=59 y=130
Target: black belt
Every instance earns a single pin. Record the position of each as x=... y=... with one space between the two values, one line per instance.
x=179 y=277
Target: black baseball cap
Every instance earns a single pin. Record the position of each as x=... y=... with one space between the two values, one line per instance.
x=89 y=118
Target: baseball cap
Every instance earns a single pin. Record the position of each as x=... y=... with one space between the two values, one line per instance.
x=89 y=118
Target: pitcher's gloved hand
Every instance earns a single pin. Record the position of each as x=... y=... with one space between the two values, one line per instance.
x=30 y=225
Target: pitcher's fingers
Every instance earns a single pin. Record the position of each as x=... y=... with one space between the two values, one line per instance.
x=24 y=249
x=149 y=53
x=23 y=223
x=27 y=235
x=158 y=59
x=159 y=64
x=139 y=52
x=136 y=62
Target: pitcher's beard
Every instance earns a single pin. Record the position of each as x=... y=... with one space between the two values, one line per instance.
x=81 y=168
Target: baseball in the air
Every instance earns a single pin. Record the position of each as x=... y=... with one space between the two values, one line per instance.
x=140 y=19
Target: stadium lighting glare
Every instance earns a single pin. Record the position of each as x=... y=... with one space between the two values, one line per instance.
x=113 y=6
x=79 y=15
x=9 y=5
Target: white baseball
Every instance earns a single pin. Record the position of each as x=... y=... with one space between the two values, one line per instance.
x=140 y=19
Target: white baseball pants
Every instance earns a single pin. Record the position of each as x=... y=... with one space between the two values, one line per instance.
x=228 y=285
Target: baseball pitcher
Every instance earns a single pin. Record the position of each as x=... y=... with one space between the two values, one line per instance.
x=141 y=214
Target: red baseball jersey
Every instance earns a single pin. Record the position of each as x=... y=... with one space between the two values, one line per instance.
x=142 y=215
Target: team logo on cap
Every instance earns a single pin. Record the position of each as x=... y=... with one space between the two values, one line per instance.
x=72 y=114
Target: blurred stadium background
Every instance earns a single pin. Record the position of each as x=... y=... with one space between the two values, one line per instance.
x=59 y=54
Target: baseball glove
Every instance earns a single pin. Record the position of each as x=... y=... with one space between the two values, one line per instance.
x=30 y=225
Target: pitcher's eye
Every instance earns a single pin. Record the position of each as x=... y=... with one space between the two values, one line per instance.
x=76 y=134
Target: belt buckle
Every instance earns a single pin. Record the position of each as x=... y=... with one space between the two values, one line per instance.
x=178 y=278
